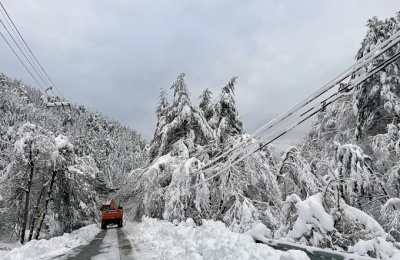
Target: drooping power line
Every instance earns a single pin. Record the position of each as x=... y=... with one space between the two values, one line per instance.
x=260 y=133
x=21 y=61
x=22 y=44
x=268 y=134
x=33 y=55
x=1 y=21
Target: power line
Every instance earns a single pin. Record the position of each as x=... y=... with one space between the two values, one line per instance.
x=377 y=51
x=18 y=38
x=22 y=51
x=31 y=51
x=21 y=61
x=259 y=134
x=358 y=81
x=345 y=74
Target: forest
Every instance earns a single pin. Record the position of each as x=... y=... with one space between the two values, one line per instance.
x=338 y=188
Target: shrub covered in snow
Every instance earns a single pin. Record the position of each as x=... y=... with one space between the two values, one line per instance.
x=377 y=247
x=312 y=224
x=391 y=215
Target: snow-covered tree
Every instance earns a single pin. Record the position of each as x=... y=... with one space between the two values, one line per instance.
x=391 y=216
x=356 y=180
x=249 y=186
x=226 y=120
x=162 y=105
x=363 y=173
x=295 y=174
x=184 y=122
x=206 y=104
x=33 y=147
x=161 y=111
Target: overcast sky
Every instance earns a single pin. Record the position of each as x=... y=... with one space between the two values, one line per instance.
x=115 y=56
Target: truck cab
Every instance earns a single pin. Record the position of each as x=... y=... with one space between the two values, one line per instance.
x=111 y=214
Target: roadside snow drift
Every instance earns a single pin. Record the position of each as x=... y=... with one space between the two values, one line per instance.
x=47 y=249
x=212 y=240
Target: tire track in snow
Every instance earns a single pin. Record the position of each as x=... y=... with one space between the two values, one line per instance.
x=111 y=243
x=125 y=246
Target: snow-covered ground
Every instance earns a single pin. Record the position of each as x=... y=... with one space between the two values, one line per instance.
x=47 y=249
x=155 y=239
x=212 y=240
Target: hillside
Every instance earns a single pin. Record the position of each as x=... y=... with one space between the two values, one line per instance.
x=96 y=152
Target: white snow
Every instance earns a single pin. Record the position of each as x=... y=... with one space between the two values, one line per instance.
x=211 y=240
x=47 y=249
x=74 y=169
x=370 y=224
x=162 y=160
x=62 y=142
x=158 y=239
x=25 y=127
x=294 y=255
x=82 y=205
x=311 y=211
x=6 y=247
x=378 y=245
x=191 y=162
x=259 y=232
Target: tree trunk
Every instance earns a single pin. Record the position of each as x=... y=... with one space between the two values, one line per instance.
x=27 y=196
x=35 y=214
x=53 y=177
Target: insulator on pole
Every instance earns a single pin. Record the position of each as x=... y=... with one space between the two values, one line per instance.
x=58 y=104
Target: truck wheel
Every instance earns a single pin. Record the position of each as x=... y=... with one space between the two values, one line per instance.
x=103 y=225
x=120 y=223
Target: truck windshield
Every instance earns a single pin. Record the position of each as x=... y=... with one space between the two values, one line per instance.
x=105 y=207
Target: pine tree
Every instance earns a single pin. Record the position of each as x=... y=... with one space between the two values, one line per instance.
x=206 y=104
x=162 y=104
x=226 y=120
x=161 y=112
x=183 y=122
x=296 y=174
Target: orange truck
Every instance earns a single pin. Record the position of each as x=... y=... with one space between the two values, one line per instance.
x=111 y=214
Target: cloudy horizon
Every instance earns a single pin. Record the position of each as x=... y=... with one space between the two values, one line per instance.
x=114 y=56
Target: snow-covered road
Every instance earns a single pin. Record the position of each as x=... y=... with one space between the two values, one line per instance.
x=111 y=243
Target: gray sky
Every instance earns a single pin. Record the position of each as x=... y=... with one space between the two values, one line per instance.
x=115 y=56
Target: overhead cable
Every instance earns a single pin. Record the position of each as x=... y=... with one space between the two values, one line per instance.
x=31 y=51
x=373 y=54
x=12 y=37
x=21 y=61
x=20 y=41
x=366 y=59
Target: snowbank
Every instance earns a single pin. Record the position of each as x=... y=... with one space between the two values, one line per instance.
x=294 y=255
x=6 y=247
x=378 y=245
x=212 y=240
x=260 y=232
x=47 y=249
